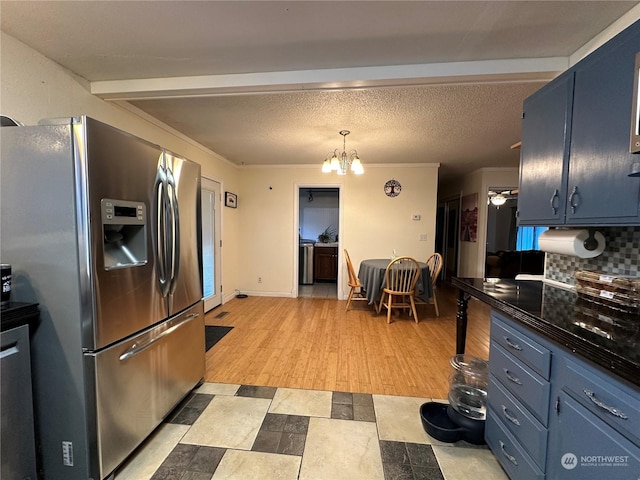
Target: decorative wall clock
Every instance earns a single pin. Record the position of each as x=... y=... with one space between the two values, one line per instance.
x=392 y=188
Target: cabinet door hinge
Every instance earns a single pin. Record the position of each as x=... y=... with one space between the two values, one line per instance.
x=220 y=243
x=557 y=405
x=522 y=116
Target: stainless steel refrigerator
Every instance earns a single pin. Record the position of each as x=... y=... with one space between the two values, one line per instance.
x=103 y=230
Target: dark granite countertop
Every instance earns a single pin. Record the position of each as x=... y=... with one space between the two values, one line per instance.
x=16 y=314
x=606 y=337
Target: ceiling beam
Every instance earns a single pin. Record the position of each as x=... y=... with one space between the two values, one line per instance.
x=486 y=71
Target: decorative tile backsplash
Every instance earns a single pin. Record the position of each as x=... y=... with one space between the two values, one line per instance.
x=621 y=257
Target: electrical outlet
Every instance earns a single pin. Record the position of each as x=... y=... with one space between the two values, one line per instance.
x=259 y=279
x=423 y=237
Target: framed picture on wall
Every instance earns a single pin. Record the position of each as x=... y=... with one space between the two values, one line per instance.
x=230 y=200
x=469 y=218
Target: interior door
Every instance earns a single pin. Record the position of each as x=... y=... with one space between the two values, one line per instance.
x=211 y=243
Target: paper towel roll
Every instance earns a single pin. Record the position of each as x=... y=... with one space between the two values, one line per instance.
x=570 y=242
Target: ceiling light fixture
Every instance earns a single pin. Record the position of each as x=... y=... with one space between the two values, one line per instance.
x=498 y=200
x=340 y=162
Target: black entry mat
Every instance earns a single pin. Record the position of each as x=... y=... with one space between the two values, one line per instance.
x=213 y=334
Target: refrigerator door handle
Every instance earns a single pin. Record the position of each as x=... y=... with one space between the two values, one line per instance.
x=135 y=349
x=175 y=231
x=161 y=234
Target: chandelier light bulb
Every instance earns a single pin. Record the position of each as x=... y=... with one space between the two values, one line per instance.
x=356 y=166
x=335 y=163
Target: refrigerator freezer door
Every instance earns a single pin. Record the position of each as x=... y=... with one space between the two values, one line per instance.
x=185 y=234
x=140 y=380
x=121 y=170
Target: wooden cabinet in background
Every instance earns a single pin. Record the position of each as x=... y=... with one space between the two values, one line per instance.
x=325 y=263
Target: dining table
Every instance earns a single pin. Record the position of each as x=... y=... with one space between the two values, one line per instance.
x=371 y=276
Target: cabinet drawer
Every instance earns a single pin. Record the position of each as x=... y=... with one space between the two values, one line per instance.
x=527 y=386
x=509 y=453
x=521 y=346
x=614 y=403
x=528 y=431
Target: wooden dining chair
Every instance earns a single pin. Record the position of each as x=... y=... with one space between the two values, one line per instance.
x=400 y=280
x=357 y=292
x=434 y=262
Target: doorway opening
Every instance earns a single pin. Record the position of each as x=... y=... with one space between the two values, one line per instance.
x=447 y=225
x=319 y=241
x=510 y=250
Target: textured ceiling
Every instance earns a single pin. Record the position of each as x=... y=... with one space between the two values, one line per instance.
x=434 y=124
x=318 y=67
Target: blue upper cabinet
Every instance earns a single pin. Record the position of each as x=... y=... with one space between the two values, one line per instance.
x=600 y=189
x=575 y=156
x=546 y=126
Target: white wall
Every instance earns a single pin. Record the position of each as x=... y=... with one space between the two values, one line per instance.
x=373 y=225
x=33 y=87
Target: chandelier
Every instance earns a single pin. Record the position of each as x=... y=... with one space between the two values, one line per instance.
x=340 y=162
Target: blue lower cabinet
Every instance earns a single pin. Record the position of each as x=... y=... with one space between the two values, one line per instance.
x=583 y=447
x=514 y=460
x=528 y=431
x=610 y=400
x=526 y=385
x=521 y=346
x=583 y=423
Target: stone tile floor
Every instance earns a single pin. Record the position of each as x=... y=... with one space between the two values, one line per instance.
x=226 y=431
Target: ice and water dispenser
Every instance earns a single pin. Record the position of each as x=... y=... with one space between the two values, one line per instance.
x=463 y=418
x=124 y=229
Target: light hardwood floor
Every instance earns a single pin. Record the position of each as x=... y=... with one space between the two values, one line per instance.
x=314 y=344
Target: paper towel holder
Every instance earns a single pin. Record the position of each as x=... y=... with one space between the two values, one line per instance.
x=591 y=243
x=586 y=242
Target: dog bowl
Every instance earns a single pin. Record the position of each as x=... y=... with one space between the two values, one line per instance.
x=437 y=423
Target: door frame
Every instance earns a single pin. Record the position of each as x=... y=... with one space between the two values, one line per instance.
x=296 y=233
x=215 y=299
x=446 y=250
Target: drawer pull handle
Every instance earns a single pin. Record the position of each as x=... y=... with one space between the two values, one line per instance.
x=515 y=380
x=612 y=410
x=511 y=458
x=515 y=346
x=510 y=417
